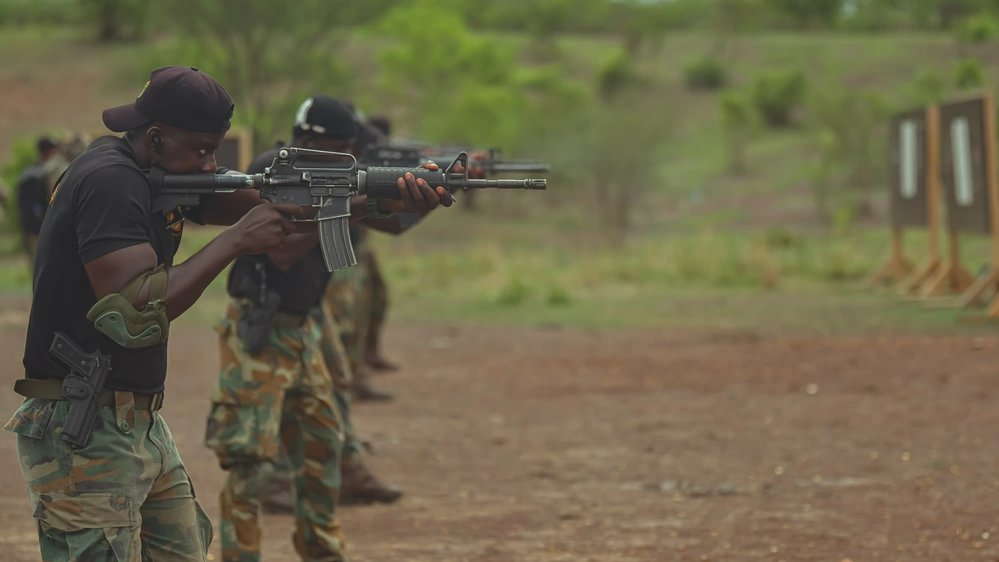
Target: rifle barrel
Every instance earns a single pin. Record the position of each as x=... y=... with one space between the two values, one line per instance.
x=522 y=167
x=498 y=184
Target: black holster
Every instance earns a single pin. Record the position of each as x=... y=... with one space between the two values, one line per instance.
x=80 y=388
x=256 y=322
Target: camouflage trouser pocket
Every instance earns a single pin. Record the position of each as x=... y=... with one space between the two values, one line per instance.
x=89 y=526
x=32 y=418
x=242 y=433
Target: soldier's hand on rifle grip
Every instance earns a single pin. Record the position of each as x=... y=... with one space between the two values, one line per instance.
x=265 y=227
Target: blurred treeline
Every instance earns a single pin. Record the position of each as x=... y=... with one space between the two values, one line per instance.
x=684 y=98
x=116 y=20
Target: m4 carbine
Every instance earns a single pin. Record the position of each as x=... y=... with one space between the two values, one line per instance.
x=325 y=180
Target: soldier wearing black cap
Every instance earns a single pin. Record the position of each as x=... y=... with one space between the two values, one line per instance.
x=284 y=382
x=112 y=486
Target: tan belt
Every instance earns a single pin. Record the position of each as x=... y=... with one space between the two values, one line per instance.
x=50 y=389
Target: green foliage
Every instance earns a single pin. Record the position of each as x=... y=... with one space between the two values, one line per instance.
x=118 y=20
x=514 y=293
x=736 y=110
x=28 y=12
x=739 y=122
x=462 y=87
x=979 y=28
x=558 y=296
x=705 y=73
x=777 y=94
x=269 y=58
x=616 y=74
x=969 y=74
x=851 y=127
x=809 y=13
x=928 y=87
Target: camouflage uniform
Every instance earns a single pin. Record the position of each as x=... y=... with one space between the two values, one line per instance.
x=90 y=504
x=341 y=374
x=281 y=397
x=348 y=299
x=377 y=298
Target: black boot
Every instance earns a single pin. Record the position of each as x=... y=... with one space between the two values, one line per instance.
x=360 y=486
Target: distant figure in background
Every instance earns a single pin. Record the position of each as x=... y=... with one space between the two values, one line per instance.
x=4 y=198
x=54 y=167
x=32 y=199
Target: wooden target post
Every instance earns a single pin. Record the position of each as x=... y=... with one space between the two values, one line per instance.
x=968 y=179
x=914 y=196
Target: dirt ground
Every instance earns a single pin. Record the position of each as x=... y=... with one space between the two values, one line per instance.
x=558 y=445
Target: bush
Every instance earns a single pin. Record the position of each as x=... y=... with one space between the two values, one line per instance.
x=617 y=74
x=969 y=74
x=978 y=29
x=514 y=293
x=705 y=73
x=739 y=121
x=777 y=94
x=928 y=87
x=24 y=12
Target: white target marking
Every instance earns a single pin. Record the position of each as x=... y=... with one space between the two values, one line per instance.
x=907 y=163
x=960 y=142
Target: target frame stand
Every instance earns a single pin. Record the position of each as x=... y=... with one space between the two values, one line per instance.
x=968 y=132
x=907 y=183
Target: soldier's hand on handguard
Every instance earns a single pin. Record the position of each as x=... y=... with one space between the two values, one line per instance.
x=265 y=227
x=417 y=196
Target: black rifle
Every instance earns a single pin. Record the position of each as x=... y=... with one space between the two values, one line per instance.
x=325 y=180
x=81 y=387
x=481 y=163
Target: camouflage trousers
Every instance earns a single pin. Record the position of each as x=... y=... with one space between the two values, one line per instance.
x=125 y=496
x=357 y=299
x=278 y=400
x=377 y=298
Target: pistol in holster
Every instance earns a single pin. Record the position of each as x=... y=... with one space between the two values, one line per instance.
x=256 y=319
x=87 y=374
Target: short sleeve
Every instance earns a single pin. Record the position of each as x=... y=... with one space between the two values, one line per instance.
x=112 y=211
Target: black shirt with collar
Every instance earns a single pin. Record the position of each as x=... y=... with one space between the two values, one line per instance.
x=102 y=204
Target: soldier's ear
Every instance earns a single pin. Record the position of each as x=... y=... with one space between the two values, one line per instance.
x=154 y=139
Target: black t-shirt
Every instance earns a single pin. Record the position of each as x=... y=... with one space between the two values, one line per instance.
x=102 y=204
x=300 y=287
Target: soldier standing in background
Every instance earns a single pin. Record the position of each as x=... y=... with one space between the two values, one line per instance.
x=283 y=385
x=377 y=288
x=33 y=197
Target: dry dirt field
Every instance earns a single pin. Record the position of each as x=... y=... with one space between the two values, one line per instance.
x=559 y=445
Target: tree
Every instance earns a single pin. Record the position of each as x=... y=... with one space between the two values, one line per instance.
x=268 y=56
x=462 y=87
x=118 y=20
x=807 y=13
